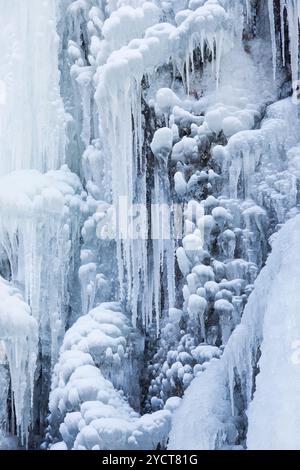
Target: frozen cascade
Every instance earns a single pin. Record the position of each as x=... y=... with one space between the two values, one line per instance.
x=32 y=118
x=140 y=100
x=19 y=339
x=210 y=400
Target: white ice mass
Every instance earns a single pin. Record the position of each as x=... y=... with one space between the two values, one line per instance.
x=149 y=218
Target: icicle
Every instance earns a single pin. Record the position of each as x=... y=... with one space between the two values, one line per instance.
x=36 y=224
x=273 y=36
x=282 y=10
x=219 y=49
x=292 y=8
x=248 y=10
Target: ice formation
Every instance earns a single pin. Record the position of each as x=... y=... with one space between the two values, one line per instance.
x=214 y=398
x=32 y=118
x=38 y=230
x=149 y=155
x=277 y=385
x=19 y=347
x=97 y=357
x=121 y=77
x=40 y=210
x=290 y=8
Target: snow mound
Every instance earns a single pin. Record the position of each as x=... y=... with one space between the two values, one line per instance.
x=86 y=408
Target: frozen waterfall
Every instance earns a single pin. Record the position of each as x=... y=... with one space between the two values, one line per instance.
x=149 y=213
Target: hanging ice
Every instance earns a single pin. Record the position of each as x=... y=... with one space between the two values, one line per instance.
x=32 y=118
x=19 y=339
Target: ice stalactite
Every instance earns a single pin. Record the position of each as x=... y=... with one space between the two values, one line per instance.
x=32 y=119
x=40 y=216
x=119 y=100
x=162 y=235
x=273 y=35
x=118 y=96
x=19 y=339
x=290 y=9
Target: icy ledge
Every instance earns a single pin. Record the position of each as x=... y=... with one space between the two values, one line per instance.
x=272 y=313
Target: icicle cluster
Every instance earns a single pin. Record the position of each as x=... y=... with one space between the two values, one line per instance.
x=38 y=230
x=140 y=100
x=32 y=118
x=19 y=345
x=291 y=10
x=40 y=204
x=119 y=157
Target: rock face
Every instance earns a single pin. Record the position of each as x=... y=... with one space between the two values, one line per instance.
x=149 y=156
